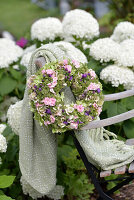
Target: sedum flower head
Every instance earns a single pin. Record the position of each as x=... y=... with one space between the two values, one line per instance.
x=9 y=52
x=116 y=76
x=123 y=31
x=80 y=24
x=105 y=50
x=71 y=51
x=46 y=28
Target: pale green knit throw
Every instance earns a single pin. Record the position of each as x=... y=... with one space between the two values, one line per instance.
x=38 y=146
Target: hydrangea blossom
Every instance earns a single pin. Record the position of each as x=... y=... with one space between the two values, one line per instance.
x=105 y=50
x=116 y=76
x=123 y=31
x=72 y=52
x=46 y=28
x=3 y=143
x=9 y=52
x=81 y=24
x=126 y=56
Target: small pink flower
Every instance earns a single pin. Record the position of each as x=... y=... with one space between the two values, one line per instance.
x=52 y=118
x=46 y=101
x=38 y=105
x=95 y=105
x=55 y=78
x=43 y=71
x=65 y=62
x=68 y=68
x=46 y=123
x=49 y=71
x=80 y=108
x=22 y=42
x=99 y=110
x=73 y=125
x=76 y=63
x=93 y=74
x=75 y=106
x=93 y=86
x=52 y=101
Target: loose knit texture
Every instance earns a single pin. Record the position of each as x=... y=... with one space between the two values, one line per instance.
x=38 y=147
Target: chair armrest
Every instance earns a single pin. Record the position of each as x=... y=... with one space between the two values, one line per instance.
x=120 y=95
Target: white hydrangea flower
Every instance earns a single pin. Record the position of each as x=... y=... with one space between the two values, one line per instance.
x=26 y=58
x=71 y=51
x=3 y=143
x=9 y=52
x=126 y=56
x=81 y=24
x=46 y=28
x=123 y=31
x=105 y=50
x=116 y=76
x=14 y=115
x=2 y=127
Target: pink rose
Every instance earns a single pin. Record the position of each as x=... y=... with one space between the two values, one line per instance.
x=49 y=71
x=52 y=118
x=52 y=101
x=73 y=125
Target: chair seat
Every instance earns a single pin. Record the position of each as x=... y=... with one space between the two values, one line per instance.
x=120 y=170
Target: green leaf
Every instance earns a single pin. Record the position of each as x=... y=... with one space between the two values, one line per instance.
x=7 y=85
x=6 y=181
x=16 y=74
x=128 y=127
x=4 y=197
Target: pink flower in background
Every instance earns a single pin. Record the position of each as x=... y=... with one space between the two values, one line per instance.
x=76 y=63
x=93 y=86
x=73 y=125
x=22 y=42
x=52 y=118
x=65 y=62
x=52 y=101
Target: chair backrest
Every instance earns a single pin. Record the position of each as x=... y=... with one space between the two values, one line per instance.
x=110 y=97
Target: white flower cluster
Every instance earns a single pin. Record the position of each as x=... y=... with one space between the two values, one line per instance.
x=3 y=143
x=9 y=52
x=71 y=51
x=116 y=76
x=126 y=56
x=46 y=28
x=123 y=31
x=81 y=24
x=14 y=115
x=105 y=50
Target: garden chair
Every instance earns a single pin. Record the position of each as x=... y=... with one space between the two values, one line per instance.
x=94 y=173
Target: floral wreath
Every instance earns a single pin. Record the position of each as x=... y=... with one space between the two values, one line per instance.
x=47 y=100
